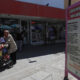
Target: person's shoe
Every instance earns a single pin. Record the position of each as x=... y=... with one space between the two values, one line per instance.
x=2 y=69
x=9 y=66
x=13 y=63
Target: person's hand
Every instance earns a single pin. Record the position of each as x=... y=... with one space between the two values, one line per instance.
x=1 y=46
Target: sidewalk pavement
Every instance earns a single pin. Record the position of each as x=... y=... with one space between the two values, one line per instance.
x=47 y=67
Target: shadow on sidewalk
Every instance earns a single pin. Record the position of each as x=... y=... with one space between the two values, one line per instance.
x=33 y=51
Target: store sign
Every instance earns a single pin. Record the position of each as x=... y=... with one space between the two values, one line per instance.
x=73 y=40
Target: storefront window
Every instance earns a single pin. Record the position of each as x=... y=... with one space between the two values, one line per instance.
x=37 y=33
x=51 y=33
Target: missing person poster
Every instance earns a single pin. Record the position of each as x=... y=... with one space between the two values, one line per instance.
x=73 y=40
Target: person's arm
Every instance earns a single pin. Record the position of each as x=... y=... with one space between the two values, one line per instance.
x=12 y=41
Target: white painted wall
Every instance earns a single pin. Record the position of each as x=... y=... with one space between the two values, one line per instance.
x=53 y=3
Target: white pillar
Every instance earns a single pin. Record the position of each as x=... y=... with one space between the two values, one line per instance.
x=46 y=33
x=30 y=34
x=19 y=22
x=28 y=31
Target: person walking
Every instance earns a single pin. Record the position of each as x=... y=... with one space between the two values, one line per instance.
x=19 y=40
x=12 y=46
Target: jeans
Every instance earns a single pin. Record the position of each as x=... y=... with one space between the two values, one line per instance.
x=19 y=45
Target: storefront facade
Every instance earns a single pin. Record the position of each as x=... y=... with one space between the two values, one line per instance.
x=38 y=25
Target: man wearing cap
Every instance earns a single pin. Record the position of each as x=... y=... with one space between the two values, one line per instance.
x=12 y=45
